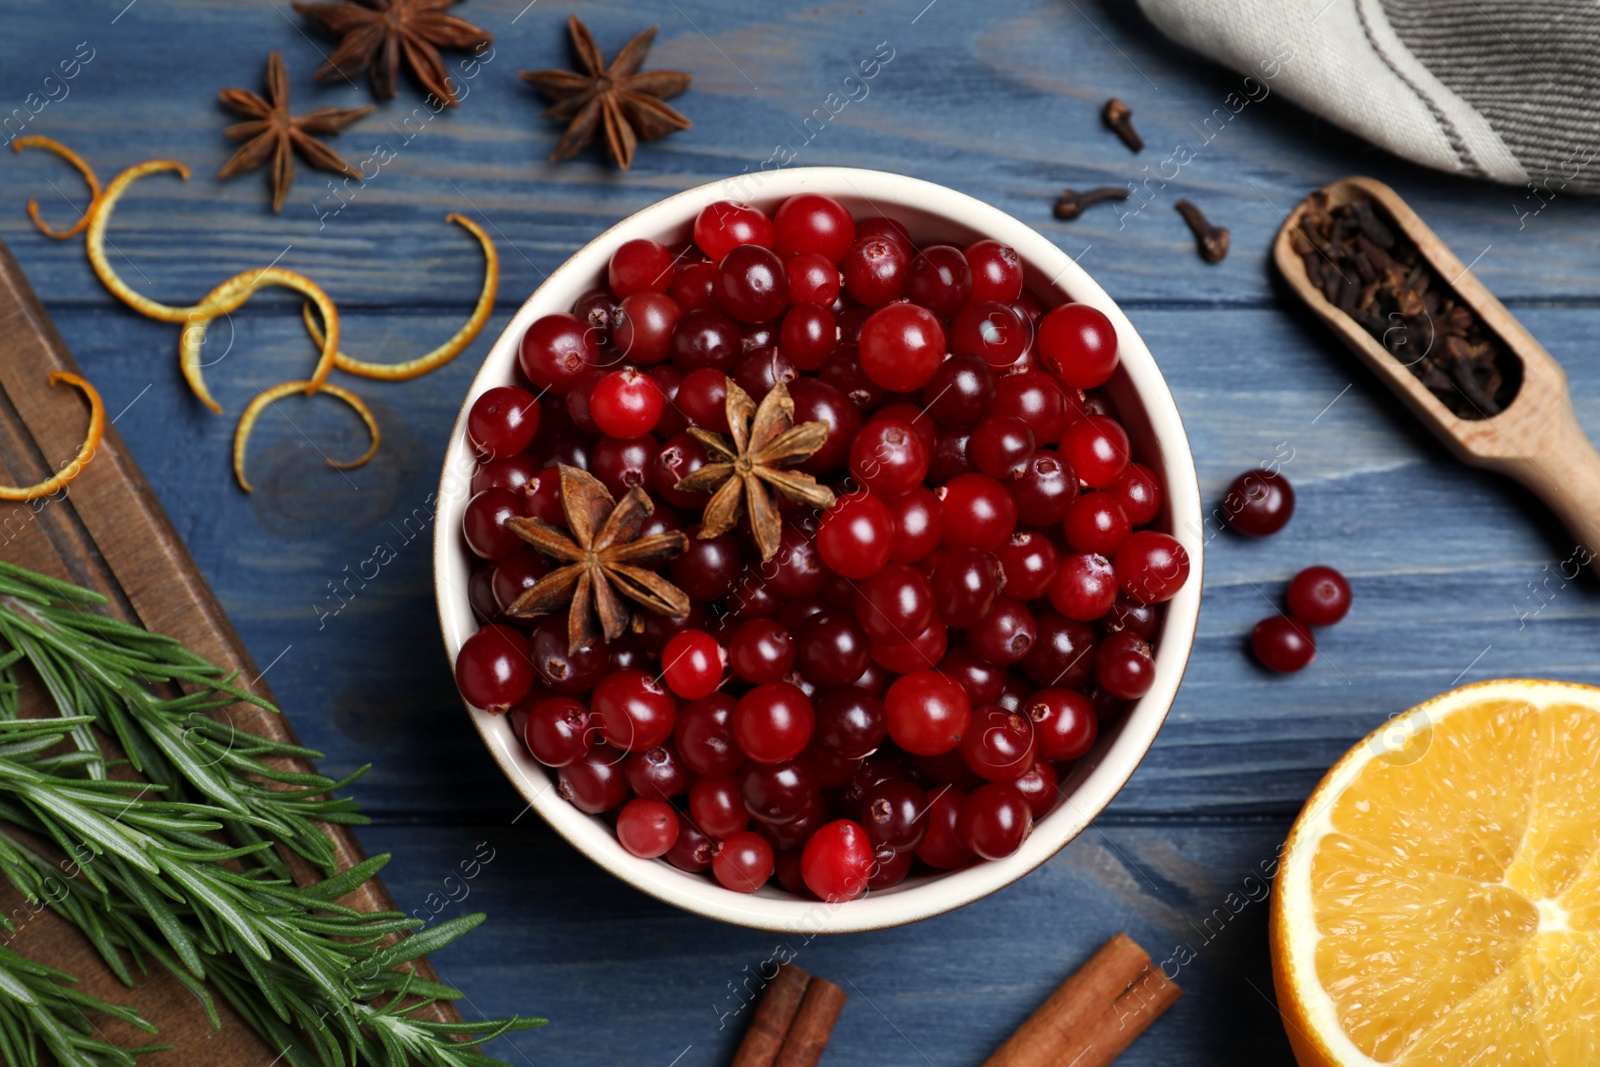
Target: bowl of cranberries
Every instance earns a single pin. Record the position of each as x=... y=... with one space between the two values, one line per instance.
x=821 y=557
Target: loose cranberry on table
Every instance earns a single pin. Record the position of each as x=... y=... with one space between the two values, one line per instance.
x=1258 y=503
x=1319 y=596
x=1283 y=644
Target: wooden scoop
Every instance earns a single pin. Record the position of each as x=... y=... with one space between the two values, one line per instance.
x=1536 y=439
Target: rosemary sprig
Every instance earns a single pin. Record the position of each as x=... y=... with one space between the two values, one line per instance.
x=181 y=868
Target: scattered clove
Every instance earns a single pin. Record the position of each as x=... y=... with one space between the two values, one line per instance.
x=1119 y=117
x=1372 y=273
x=1072 y=203
x=1211 y=240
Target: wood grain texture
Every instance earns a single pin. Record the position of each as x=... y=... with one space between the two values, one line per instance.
x=1458 y=575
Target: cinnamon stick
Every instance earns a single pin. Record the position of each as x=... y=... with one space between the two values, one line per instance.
x=773 y=1016
x=812 y=1025
x=1095 y=1014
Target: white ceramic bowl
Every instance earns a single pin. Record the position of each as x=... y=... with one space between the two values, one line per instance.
x=932 y=213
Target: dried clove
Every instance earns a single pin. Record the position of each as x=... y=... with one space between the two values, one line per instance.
x=1211 y=240
x=1071 y=203
x=1364 y=265
x=1119 y=117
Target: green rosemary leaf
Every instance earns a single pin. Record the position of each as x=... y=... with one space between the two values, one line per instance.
x=346 y=881
x=423 y=942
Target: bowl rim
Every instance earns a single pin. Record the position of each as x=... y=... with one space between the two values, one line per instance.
x=1085 y=793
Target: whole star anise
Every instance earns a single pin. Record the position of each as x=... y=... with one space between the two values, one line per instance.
x=376 y=34
x=604 y=556
x=626 y=103
x=765 y=441
x=274 y=132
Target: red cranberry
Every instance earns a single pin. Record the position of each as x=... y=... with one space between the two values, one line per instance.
x=1045 y=489
x=893 y=815
x=991 y=331
x=834 y=649
x=692 y=663
x=927 y=712
x=693 y=850
x=874 y=270
x=1005 y=635
x=742 y=862
x=982 y=680
x=854 y=536
x=502 y=422
x=810 y=222
x=996 y=271
x=812 y=279
x=1040 y=787
x=593 y=783
x=484 y=524
x=492 y=669
x=706 y=339
x=1319 y=596
x=1258 y=503
x=1097 y=448
x=1084 y=587
x=999 y=744
x=942 y=847
x=965 y=583
x=692 y=287
x=1037 y=400
x=1079 y=345
x=644 y=325
x=1063 y=652
x=961 y=391
x=901 y=347
x=918 y=525
x=1001 y=445
x=978 y=512
x=621 y=463
x=516 y=574
x=1283 y=644
x=1124 y=666
x=1029 y=562
x=723 y=226
x=779 y=793
x=808 y=334
x=818 y=401
x=632 y=710
x=995 y=821
x=640 y=266
x=889 y=458
x=558 y=731
x=836 y=861
x=567 y=671
x=920 y=653
x=1151 y=566
x=1096 y=523
x=1139 y=493
x=1064 y=723
x=703 y=734
x=647 y=828
x=555 y=350
x=751 y=284
x=895 y=604
x=760 y=651
x=939 y=279
x=709 y=566
x=850 y=723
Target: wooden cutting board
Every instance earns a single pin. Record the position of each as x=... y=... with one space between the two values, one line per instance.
x=108 y=533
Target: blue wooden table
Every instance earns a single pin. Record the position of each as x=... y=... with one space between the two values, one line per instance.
x=1457 y=575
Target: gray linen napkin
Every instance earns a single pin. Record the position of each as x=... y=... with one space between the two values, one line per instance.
x=1507 y=90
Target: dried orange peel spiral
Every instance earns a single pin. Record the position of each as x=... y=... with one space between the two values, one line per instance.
x=50 y=144
x=229 y=297
x=95 y=244
x=91 y=441
x=247 y=422
x=397 y=372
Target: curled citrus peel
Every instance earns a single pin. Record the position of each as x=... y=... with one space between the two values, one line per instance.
x=50 y=144
x=396 y=372
x=231 y=295
x=95 y=244
x=247 y=422
x=91 y=441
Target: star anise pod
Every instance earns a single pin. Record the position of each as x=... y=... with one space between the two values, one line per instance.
x=376 y=34
x=604 y=556
x=274 y=133
x=765 y=441
x=626 y=103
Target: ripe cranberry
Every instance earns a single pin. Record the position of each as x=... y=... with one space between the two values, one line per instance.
x=1319 y=596
x=751 y=284
x=918 y=525
x=939 y=279
x=961 y=391
x=760 y=651
x=679 y=456
x=502 y=422
x=626 y=403
x=942 y=847
x=621 y=463
x=991 y=331
x=558 y=731
x=810 y=222
x=541 y=497
x=836 y=861
x=692 y=288
x=995 y=821
x=999 y=744
x=854 y=537
x=1005 y=635
x=693 y=850
x=842 y=370
x=703 y=734
x=1123 y=665
x=706 y=339
x=1283 y=644
x=901 y=347
x=996 y=271
x=778 y=794
x=796 y=569
x=808 y=334
x=1258 y=503
x=1062 y=654
x=692 y=664
x=927 y=712
x=639 y=266
x=480 y=593
x=577 y=401
x=1139 y=493
x=555 y=350
x=742 y=862
x=643 y=327
x=965 y=583
x=709 y=566
x=1133 y=615
x=818 y=401
x=1079 y=345
x=978 y=512
x=889 y=458
x=773 y=723
x=982 y=680
x=812 y=279
x=668 y=379
x=493 y=670
x=949 y=457
x=1096 y=523
x=1097 y=448
x=716 y=806
x=1044 y=489
x=1040 y=787
x=1029 y=562
x=761 y=369
x=566 y=671
x=593 y=783
x=887 y=228
x=723 y=226
x=1084 y=587
x=921 y=653
x=484 y=524
x=895 y=604
x=512 y=472
x=850 y=723
x=834 y=649
x=647 y=828
x=1037 y=400
x=567 y=447
x=1151 y=566
x=1064 y=723
x=596 y=309
x=515 y=575
x=657 y=773
x=632 y=710
x=874 y=270
x=1001 y=445
x=892 y=814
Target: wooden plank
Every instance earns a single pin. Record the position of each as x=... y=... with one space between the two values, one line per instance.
x=108 y=532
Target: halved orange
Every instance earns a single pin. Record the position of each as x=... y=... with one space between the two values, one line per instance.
x=1438 y=899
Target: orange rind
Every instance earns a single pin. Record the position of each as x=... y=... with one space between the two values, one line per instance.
x=229 y=297
x=247 y=422
x=50 y=144
x=91 y=441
